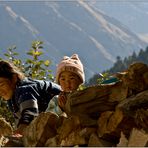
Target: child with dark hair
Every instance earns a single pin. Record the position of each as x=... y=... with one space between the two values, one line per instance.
x=26 y=97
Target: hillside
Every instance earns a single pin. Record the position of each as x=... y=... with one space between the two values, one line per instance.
x=135 y=19
x=66 y=27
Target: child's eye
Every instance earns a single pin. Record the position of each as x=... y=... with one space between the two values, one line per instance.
x=2 y=84
x=63 y=79
x=72 y=78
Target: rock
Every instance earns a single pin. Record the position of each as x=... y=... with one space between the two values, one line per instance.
x=14 y=142
x=103 y=123
x=52 y=142
x=123 y=141
x=94 y=100
x=68 y=125
x=135 y=78
x=41 y=129
x=94 y=141
x=109 y=121
x=74 y=138
x=5 y=128
x=138 y=138
x=131 y=104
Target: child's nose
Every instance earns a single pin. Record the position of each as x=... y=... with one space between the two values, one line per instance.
x=67 y=82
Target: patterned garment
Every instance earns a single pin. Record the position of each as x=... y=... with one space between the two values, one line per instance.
x=53 y=106
x=31 y=97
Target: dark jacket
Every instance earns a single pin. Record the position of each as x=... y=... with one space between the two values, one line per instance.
x=30 y=98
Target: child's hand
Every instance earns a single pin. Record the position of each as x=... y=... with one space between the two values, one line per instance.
x=17 y=135
x=20 y=129
x=62 y=100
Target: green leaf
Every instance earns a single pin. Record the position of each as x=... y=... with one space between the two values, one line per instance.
x=46 y=63
x=6 y=54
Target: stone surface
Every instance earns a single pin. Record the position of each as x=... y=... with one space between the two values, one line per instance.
x=41 y=129
x=137 y=138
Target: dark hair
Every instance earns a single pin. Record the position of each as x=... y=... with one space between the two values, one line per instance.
x=7 y=70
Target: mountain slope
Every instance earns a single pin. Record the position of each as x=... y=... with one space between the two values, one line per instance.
x=133 y=14
x=67 y=27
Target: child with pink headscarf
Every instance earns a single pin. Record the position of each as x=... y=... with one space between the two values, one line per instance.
x=69 y=75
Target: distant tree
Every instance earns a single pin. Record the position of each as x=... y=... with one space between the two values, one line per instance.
x=131 y=59
x=96 y=79
x=146 y=55
x=118 y=65
x=146 y=50
x=121 y=65
x=143 y=56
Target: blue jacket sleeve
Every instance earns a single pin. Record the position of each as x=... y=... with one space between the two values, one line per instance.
x=32 y=97
x=28 y=105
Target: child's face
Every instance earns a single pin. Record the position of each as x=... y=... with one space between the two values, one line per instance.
x=6 y=88
x=69 y=81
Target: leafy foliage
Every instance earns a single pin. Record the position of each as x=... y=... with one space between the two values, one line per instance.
x=36 y=68
x=5 y=113
x=33 y=67
x=98 y=78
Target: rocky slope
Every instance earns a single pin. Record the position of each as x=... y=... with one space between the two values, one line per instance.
x=67 y=27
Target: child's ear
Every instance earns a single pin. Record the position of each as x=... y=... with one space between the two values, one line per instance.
x=75 y=56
